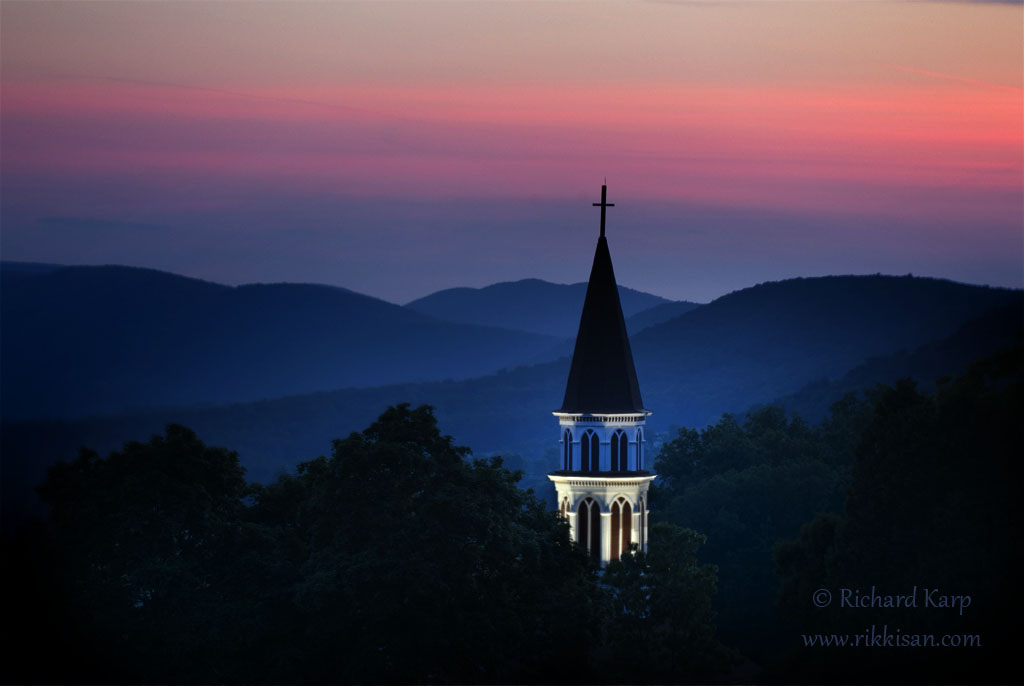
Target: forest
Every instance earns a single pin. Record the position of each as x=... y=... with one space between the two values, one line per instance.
x=898 y=487
x=400 y=558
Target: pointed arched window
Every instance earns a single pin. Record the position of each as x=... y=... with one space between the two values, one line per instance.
x=588 y=527
x=616 y=516
x=615 y=452
x=590 y=447
x=627 y=526
x=620 y=452
x=642 y=525
x=622 y=528
x=567 y=450
x=583 y=522
x=639 y=449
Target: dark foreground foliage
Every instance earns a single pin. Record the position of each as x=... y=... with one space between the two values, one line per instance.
x=897 y=488
x=401 y=559
x=398 y=559
x=746 y=483
x=932 y=515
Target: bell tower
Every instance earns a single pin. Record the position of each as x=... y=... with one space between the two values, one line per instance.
x=602 y=484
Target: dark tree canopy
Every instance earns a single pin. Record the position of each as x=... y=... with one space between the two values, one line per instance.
x=426 y=566
x=662 y=615
x=746 y=482
x=899 y=486
x=398 y=559
x=933 y=503
x=144 y=553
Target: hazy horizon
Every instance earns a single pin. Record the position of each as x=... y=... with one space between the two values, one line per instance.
x=508 y=281
x=398 y=149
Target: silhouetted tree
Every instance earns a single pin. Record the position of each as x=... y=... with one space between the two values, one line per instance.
x=399 y=558
x=146 y=542
x=932 y=504
x=661 y=626
x=745 y=483
x=425 y=566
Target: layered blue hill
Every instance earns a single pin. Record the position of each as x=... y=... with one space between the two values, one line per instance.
x=760 y=343
x=538 y=306
x=808 y=340
x=100 y=340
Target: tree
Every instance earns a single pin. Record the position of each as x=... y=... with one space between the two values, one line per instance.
x=399 y=558
x=423 y=565
x=745 y=483
x=932 y=504
x=661 y=626
x=143 y=542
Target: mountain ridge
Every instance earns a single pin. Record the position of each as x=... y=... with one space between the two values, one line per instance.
x=769 y=340
x=533 y=305
x=509 y=412
x=112 y=338
x=130 y=337
x=272 y=435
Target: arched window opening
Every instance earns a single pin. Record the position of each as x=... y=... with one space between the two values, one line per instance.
x=627 y=526
x=589 y=447
x=588 y=527
x=620 y=451
x=567 y=451
x=615 y=531
x=640 y=526
x=615 y=452
x=642 y=518
x=639 y=450
x=583 y=523
x=622 y=528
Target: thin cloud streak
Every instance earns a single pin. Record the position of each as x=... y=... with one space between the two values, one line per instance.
x=71 y=76
x=960 y=79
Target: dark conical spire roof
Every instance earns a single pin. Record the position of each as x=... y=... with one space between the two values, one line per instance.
x=602 y=379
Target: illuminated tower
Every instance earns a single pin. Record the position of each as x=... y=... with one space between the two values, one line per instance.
x=602 y=484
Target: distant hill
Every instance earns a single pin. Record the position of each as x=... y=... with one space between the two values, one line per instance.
x=92 y=340
x=638 y=322
x=761 y=343
x=997 y=329
x=750 y=347
x=15 y=269
x=530 y=305
x=658 y=315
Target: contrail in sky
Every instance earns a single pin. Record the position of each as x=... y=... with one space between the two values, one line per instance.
x=951 y=77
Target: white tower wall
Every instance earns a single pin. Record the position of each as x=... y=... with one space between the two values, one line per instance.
x=604 y=486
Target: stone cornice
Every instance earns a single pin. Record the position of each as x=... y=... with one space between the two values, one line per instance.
x=606 y=480
x=622 y=418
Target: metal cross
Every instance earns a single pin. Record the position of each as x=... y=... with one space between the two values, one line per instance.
x=603 y=204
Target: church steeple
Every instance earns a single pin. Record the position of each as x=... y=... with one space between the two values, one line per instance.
x=602 y=377
x=602 y=485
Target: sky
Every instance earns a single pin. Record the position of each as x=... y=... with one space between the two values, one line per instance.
x=400 y=148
